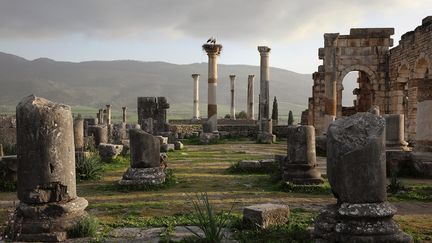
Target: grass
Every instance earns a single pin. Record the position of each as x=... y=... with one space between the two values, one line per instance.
x=87 y=227
x=204 y=169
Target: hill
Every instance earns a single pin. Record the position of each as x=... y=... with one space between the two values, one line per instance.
x=96 y=83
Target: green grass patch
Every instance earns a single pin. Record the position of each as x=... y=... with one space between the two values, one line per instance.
x=87 y=227
x=414 y=193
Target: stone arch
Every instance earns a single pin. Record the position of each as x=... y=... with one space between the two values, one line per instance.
x=422 y=67
x=404 y=72
x=361 y=68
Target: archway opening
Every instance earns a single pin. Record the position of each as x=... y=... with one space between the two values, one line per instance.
x=357 y=93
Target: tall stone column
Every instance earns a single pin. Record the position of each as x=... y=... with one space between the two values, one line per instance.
x=196 y=113
x=108 y=114
x=124 y=108
x=232 y=107
x=329 y=102
x=46 y=188
x=250 y=98
x=265 y=124
x=213 y=51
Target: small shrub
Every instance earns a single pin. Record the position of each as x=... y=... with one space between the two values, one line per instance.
x=208 y=220
x=395 y=185
x=87 y=227
x=89 y=168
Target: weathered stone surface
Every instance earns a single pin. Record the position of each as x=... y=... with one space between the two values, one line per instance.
x=8 y=168
x=356 y=144
x=266 y=138
x=178 y=145
x=144 y=149
x=8 y=132
x=266 y=215
x=162 y=140
x=78 y=129
x=46 y=152
x=300 y=163
x=154 y=108
x=108 y=152
x=99 y=133
x=49 y=206
x=167 y=147
x=143 y=176
x=249 y=165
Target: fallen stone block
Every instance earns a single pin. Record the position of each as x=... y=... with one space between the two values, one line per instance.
x=266 y=215
x=108 y=152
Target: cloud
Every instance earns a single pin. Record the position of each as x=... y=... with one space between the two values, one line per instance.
x=237 y=20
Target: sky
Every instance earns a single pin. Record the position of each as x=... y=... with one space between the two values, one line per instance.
x=174 y=31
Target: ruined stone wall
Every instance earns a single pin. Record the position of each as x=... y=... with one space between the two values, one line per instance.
x=409 y=62
x=8 y=132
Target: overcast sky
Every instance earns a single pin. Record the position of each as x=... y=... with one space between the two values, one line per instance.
x=173 y=31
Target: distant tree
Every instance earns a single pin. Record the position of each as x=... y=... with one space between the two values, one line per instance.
x=290 y=118
x=275 y=112
x=241 y=115
x=227 y=116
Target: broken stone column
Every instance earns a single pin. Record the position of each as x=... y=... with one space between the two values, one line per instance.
x=422 y=156
x=49 y=206
x=395 y=134
x=213 y=51
x=100 y=116
x=232 y=107
x=99 y=133
x=356 y=168
x=265 y=134
x=78 y=128
x=124 y=108
x=145 y=166
x=300 y=164
x=196 y=114
x=250 y=98
x=108 y=114
x=154 y=108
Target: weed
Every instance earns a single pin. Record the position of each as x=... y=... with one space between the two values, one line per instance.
x=395 y=185
x=89 y=168
x=87 y=227
x=207 y=220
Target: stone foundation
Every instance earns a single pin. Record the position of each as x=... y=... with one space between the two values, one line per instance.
x=143 y=176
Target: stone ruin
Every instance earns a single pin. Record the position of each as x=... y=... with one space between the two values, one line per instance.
x=145 y=165
x=356 y=168
x=299 y=167
x=49 y=205
x=152 y=114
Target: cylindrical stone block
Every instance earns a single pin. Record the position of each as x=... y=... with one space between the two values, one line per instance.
x=78 y=128
x=100 y=134
x=196 y=113
x=301 y=145
x=250 y=98
x=395 y=134
x=45 y=150
x=356 y=159
x=144 y=149
x=232 y=107
x=424 y=116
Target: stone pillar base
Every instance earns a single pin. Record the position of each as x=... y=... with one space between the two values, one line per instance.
x=301 y=174
x=49 y=222
x=422 y=163
x=143 y=176
x=208 y=137
x=266 y=138
x=397 y=146
x=366 y=222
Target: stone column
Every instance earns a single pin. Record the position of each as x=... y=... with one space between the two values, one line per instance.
x=299 y=167
x=196 y=113
x=395 y=134
x=329 y=103
x=100 y=116
x=213 y=51
x=78 y=128
x=265 y=129
x=1 y=150
x=356 y=168
x=46 y=188
x=145 y=167
x=124 y=108
x=232 y=107
x=108 y=114
x=250 y=98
